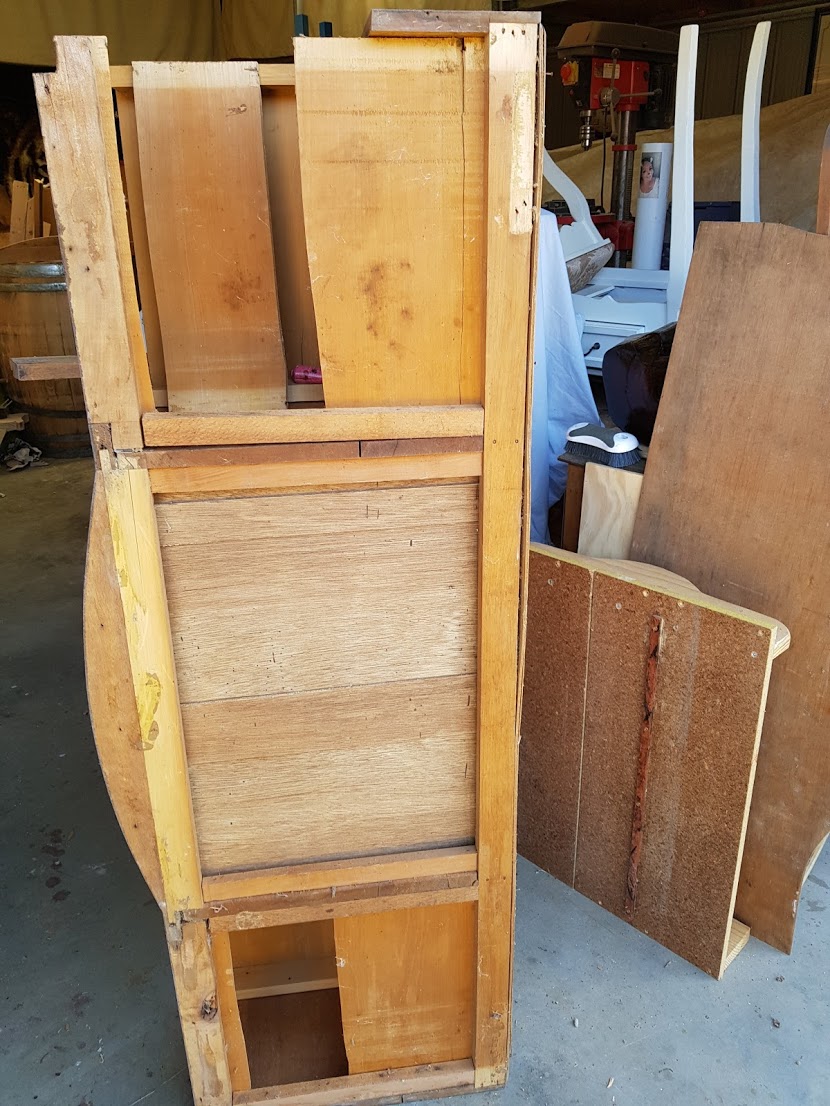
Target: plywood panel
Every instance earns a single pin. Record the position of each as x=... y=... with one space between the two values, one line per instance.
x=321 y=775
x=550 y=755
x=390 y=574
x=407 y=982
x=609 y=504
x=741 y=514
x=393 y=193
x=206 y=203
x=293 y=1038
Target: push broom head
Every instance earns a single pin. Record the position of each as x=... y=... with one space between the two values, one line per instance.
x=604 y=445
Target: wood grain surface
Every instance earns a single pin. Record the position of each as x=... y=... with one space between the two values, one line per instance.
x=732 y=498
x=393 y=192
x=327 y=774
x=609 y=505
x=200 y=144
x=407 y=984
x=390 y=575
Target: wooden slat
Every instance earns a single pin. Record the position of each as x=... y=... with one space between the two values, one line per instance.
x=316 y=474
x=407 y=982
x=413 y=447
x=12 y=422
x=225 y=457
x=609 y=506
x=385 y=119
x=395 y=762
x=200 y=137
x=305 y=877
x=823 y=203
x=282 y=165
x=46 y=368
x=457 y=24
x=289 y=977
x=194 y=976
x=402 y=1085
x=512 y=127
x=138 y=565
x=738 y=937
x=286 y=910
x=138 y=227
x=315 y=425
x=738 y=515
x=227 y=999
x=75 y=105
x=270 y=76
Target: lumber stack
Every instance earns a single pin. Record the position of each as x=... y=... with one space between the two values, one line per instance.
x=303 y=625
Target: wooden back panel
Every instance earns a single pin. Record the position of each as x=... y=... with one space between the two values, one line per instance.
x=205 y=197
x=326 y=646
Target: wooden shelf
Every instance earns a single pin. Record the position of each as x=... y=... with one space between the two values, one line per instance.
x=286 y=978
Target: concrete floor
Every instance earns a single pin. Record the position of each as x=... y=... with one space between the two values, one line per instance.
x=87 y=1016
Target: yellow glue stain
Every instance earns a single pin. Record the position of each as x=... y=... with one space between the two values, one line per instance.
x=149 y=696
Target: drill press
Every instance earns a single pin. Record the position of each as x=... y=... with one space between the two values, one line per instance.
x=622 y=78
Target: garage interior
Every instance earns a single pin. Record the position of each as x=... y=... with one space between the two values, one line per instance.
x=711 y=994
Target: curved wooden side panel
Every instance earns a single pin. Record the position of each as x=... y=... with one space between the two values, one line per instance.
x=112 y=708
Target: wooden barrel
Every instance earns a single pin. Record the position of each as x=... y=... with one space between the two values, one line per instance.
x=35 y=322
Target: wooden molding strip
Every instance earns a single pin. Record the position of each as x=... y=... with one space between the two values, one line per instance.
x=270 y=76
x=225 y=456
x=427 y=24
x=327 y=424
x=340 y=873
x=398 y=1085
x=315 y=474
x=331 y=902
x=287 y=977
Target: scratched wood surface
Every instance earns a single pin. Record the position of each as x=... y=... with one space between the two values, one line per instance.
x=392 y=158
x=741 y=514
x=585 y=694
x=201 y=151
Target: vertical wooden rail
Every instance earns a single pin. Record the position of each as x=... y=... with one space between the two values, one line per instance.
x=137 y=555
x=512 y=127
x=76 y=114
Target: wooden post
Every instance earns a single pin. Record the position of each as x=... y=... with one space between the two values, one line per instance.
x=512 y=126
x=78 y=124
x=194 y=976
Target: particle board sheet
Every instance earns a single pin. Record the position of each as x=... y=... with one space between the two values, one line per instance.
x=332 y=774
x=735 y=497
x=583 y=727
x=553 y=706
x=205 y=195
x=407 y=986
x=291 y=593
x=392 y=155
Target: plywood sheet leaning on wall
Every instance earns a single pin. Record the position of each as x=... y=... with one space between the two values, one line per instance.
x=642 y=715
x=734 y=497
x=208 y=227
x=392 y=146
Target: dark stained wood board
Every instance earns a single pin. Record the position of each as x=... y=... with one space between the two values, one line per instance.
x=582 y=723
x=205 y=191
x=735 y=497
